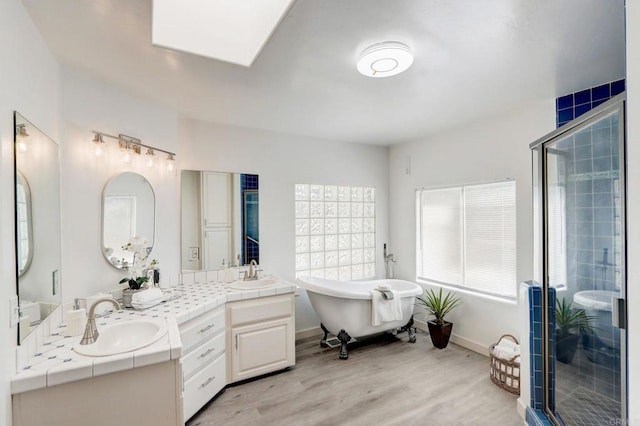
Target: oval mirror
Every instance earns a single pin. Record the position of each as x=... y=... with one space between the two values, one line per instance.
x=24 y=227
x=128 y=210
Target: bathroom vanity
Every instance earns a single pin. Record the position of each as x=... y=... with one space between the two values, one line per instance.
x=217 y=335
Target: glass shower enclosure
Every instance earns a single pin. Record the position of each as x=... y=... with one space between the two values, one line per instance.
x=579 y=188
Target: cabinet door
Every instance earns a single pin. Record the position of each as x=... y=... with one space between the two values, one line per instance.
x=217 y=246
x=261 y=348
x=217 y=199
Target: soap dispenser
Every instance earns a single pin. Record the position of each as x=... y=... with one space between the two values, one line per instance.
x=76 y=320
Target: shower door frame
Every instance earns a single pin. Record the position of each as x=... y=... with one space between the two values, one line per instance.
x=539 y=147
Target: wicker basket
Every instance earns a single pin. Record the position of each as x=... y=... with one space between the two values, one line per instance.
x=505 y=373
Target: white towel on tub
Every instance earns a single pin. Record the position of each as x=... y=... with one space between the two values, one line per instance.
x=383 y=310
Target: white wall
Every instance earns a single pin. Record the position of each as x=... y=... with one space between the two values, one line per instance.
x=29 y=84
x=281 y=161
x=87 y=105
x=488 y=151
x=633 y=206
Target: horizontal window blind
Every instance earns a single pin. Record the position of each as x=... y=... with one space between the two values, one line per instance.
x=468 y=237
x=442 y=231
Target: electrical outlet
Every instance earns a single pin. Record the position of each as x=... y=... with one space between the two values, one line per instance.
x=194 y=253
x=14 y=313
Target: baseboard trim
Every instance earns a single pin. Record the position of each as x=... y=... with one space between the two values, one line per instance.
x=458 y=340
x=521 y=407
x=309 y=332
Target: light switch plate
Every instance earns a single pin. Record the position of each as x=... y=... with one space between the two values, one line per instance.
x=55 y=277
x=14 y=314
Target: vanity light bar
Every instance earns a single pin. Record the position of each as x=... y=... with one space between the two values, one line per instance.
x=127 y=142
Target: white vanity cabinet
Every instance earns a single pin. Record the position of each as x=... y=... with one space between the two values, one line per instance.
x=261 y=337
x=203 y=359
x=148 y=395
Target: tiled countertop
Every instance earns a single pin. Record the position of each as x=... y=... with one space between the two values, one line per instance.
x=48 y=359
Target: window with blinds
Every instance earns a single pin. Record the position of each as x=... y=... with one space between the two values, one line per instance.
x=467 y=237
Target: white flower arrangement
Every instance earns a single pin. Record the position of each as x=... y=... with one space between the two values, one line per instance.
x=137 y=270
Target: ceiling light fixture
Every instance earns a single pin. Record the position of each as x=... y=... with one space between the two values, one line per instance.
x=385 y=59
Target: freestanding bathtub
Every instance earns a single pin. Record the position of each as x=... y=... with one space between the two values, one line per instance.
x=344 y=307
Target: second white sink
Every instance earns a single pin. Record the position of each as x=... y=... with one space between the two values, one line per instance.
x=253 y=284
x=125 y=336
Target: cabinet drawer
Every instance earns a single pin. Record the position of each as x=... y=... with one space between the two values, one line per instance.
x=261 y=309
x=202 y=355
x=202 y=328
x=199 y=389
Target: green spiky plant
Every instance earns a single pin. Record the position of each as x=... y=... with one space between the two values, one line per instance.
x=437 y=304
x=570 y=323
x=569 y=319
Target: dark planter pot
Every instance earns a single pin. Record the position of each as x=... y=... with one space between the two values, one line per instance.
x=566 y=347
x=440 y=333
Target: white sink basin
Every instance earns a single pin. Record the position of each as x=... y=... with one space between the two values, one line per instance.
x=125 y=336
x=595 y=299
x=253 y=284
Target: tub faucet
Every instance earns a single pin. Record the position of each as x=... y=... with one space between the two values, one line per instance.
x=253 y=271
x=91 y=331
x=389 y=261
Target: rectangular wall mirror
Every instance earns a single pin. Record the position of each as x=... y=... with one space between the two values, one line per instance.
x=220 y=219
x=37 y=224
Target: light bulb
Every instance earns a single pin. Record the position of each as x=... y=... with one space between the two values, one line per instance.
x=98 y=145
x=21 y=138
x=150 y=158
x=170 y=163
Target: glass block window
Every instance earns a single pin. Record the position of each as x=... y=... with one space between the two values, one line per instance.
x=335 y=232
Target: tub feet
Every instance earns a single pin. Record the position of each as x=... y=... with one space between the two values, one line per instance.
x=411 y=330
x=344 y=338
x=323 y=342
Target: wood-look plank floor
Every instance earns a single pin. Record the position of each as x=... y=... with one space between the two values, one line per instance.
x=385 y=381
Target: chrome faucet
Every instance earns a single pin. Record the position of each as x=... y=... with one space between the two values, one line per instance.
x=91 y=331
x=253 y=271
x=389 y=261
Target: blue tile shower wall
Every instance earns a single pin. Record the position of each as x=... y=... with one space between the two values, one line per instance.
x=250 y=250
x=535 y=343
x=535 y=412
x=574 y=105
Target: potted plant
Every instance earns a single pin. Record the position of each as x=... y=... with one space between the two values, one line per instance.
x=439 y=305
x=570 y=323
x=138 y=270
